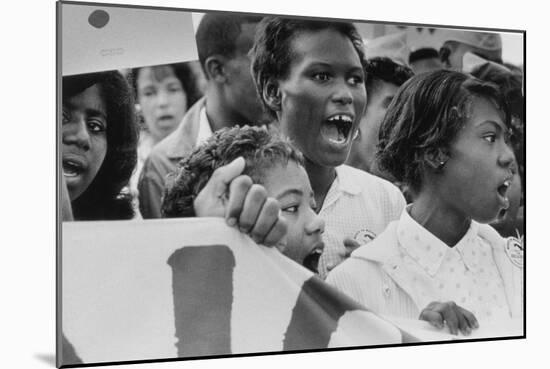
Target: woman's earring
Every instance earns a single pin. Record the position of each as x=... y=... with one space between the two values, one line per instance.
x=441 y=165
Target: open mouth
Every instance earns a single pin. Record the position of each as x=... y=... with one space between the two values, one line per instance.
x=311 y=261
x=502 y=190
x=337 y=128
x=72 y=168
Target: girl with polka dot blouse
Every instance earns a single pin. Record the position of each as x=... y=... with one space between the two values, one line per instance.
x=446 y=135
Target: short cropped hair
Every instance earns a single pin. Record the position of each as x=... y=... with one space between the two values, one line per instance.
x=425 y=116
x=218 y=32
x=272 y=53
x=386 y=70
x=104 y=198
x=260 y=148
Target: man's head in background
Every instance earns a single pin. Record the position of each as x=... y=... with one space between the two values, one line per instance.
x=487 y=45
x=425 y=59
x=383 y=78
x=223 y=43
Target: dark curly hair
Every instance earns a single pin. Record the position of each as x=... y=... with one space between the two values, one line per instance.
x=260 y=148
x=425 y=116
x=385 y=69
x=183 y=72
x=104 y=199
x=272 y=53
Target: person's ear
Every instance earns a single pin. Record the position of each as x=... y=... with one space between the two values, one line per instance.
x=271 y=95
x=436 y=158
x=214 y=67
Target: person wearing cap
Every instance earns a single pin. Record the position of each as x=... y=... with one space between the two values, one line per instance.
x=456 y=44
x=425 y=59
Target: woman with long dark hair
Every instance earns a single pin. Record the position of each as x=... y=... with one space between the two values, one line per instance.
x=99 y=144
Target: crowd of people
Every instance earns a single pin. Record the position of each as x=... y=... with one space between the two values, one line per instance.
x=395 y=176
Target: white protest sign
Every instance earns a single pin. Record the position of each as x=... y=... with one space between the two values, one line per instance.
x=98 y=38
x=139 y=290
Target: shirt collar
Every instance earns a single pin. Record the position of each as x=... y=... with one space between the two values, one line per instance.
x=428 y=250
x=345 y=180
x=180 y=142
x=205 y=131
x=342 y=183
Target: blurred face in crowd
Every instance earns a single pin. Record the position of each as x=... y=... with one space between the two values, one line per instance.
x=476 y=178
x=240 y=91
x=84 y=131
x=289 y=184
x=162 y=99
x=323 y=96
x=364 y=146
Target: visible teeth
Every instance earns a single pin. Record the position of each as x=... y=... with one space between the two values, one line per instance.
x=342 y=117
x=338 y=129
x=507 y=183
x=70 y=169
x=333 y=133
x=337 y=141
x=311 y=261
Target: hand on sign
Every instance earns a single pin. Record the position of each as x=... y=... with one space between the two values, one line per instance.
x=247 y=207
x=350 y=244
x=449 y=313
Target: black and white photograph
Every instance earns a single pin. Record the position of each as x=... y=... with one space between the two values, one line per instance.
x=284 y=184
x=268 y=186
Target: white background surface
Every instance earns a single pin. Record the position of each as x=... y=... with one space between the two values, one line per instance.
x=27 y=152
